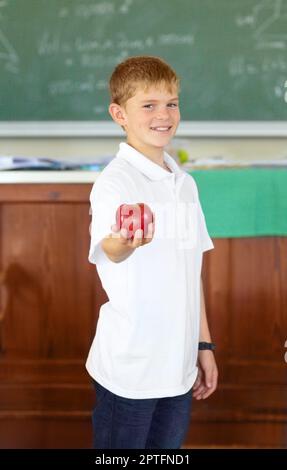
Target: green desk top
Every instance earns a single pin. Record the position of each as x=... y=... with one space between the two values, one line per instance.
x=245 y=202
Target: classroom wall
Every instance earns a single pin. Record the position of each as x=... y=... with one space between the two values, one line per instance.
x=90 y=148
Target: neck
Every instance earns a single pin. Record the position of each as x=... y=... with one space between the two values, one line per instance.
x=153 y=154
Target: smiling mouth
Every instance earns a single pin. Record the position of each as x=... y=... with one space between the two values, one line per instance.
x=161 y=128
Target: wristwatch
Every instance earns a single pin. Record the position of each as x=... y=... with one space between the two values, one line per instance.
x=203 y=345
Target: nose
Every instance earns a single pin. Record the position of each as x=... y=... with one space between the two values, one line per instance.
x=162 y=113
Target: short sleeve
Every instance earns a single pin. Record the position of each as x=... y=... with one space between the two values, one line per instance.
x=205 y=240
x=105 y=198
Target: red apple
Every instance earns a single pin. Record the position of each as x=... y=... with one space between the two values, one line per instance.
x=133 y=217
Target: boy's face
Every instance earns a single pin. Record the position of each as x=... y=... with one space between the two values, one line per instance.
x=151 y=118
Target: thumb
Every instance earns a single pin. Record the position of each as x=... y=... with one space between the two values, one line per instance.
x=208 y=378
x=115 y=228
x=198 y=379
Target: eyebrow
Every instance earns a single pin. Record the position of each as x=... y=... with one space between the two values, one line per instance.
x=154 y=101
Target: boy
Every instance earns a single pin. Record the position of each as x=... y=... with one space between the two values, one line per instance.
x=144 y=358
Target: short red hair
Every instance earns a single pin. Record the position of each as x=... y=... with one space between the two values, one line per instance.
x=140 y=71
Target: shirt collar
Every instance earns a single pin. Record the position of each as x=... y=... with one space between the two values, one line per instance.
x=146 y=166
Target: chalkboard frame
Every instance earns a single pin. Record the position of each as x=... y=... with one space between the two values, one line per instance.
x=248 y=48
x=83 y=129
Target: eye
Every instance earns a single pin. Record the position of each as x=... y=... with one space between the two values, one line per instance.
x=148 y=106
x=173 y=105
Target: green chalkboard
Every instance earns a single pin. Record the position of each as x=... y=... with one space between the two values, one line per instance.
x=56 y=56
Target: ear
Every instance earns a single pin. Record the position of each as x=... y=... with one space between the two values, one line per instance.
x=118 y=114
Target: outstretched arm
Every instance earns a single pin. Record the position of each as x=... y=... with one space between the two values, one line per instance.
x=206 y=381
x=118 y=247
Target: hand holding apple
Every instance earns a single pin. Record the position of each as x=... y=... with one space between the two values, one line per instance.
x=133 y=217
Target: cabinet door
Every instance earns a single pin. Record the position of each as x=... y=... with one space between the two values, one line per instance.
x=245 y=282
x=50 y=297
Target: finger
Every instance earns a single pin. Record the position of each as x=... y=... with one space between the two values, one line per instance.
x=208 y=392
x=115 y=232
x=211 y=377
x=208 y=378
x=115 y=228
x=199 y=392
x=196 y=384
x=198 y=397
x=198 y=378
x=124 y=234
x=138 y=238
x=213 y=386
x=196 y=393
x=149 y=234
x=196 y=389
x=199 y=389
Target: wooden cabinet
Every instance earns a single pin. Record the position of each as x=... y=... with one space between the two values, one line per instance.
x=246 y=285
x=49 y=301
x=50 y=297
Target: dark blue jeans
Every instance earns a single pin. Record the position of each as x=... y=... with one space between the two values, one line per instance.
x=153 y=423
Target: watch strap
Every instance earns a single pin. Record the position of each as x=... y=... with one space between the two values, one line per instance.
x=202 y=345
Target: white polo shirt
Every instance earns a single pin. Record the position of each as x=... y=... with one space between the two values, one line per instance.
x=146 y=343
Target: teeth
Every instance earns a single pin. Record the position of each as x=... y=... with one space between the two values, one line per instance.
x=160 y=128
